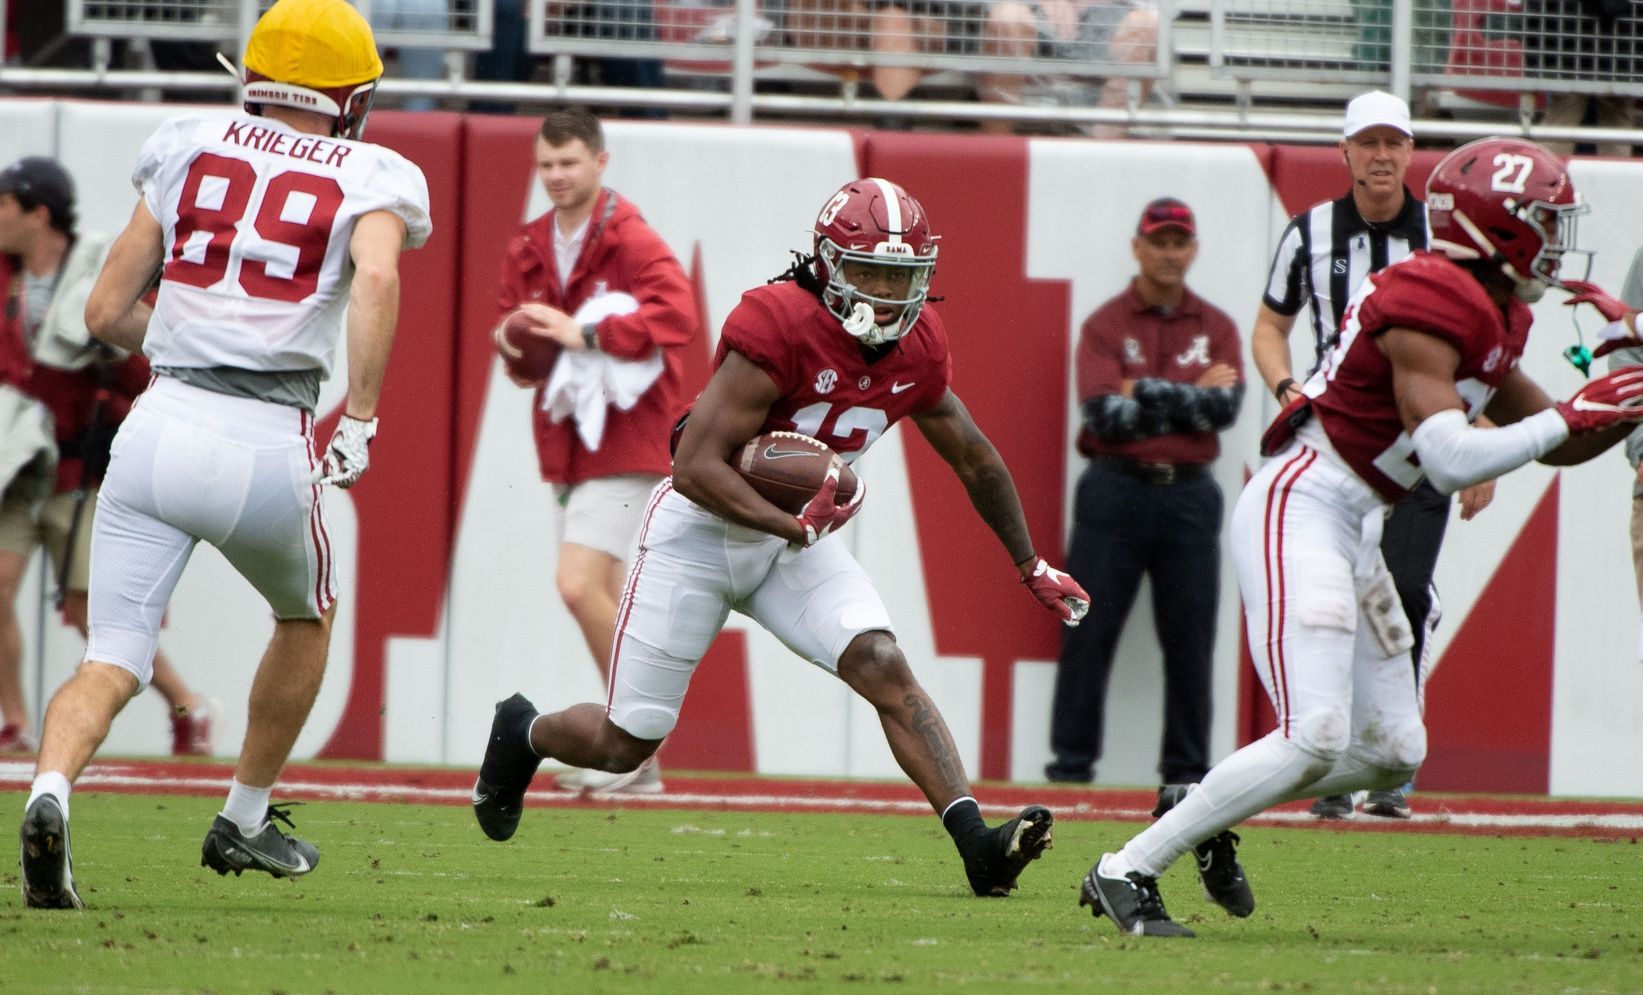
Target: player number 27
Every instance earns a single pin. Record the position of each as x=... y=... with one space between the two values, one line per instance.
x=847 y=430
x=290 y=229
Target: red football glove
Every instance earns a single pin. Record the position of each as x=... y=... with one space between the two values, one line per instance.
x=1607 y=400
x=1057 y=591
x=821 y=516
x=1612 y=309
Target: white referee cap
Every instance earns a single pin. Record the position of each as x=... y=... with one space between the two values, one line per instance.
x=1376 y=108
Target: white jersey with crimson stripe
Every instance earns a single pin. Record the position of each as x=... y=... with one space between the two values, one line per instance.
x=257 y=219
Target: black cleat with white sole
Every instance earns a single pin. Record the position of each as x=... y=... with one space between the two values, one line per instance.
x=227 y=848
x=505 y=773
x=47 y=867
x=1007 y=850
x=1132 y=902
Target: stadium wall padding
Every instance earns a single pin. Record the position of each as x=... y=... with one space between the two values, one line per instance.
x=448 y=546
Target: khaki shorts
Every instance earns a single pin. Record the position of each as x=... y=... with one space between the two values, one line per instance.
x=605 y=513
x=23 y=528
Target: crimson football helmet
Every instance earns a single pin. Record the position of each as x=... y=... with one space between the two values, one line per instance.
x=1509 y=202
x=874 y=222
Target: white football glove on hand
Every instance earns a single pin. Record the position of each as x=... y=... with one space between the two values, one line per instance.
x=1057 y=591
x=821 y=515
x=349 y=453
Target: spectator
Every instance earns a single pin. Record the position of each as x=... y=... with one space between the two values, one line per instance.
x=604 y=285
x=895 y=28
x=47 y=268
x=856 y=312
x=1324 y=255
x=1098 y=32
x=1585 y=41
x=507 y=60
x=1159 y=374
x=414 y=61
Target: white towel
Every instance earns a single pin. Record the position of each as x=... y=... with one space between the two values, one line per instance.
x=585 y=383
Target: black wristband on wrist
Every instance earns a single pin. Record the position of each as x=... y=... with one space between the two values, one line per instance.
x=1283 y=388
x=590 y=336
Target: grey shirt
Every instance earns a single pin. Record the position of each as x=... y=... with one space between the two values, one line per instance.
x=1632 y=293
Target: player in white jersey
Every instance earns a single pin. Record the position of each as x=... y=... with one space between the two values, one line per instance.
x=261 y=228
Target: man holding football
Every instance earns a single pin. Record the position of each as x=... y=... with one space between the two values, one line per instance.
x=840 y=348
x=566 y=271
x=1426 y=346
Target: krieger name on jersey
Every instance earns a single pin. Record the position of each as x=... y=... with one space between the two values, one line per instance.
x=298 y=146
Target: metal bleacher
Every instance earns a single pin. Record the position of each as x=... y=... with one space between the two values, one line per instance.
x=1222 y=68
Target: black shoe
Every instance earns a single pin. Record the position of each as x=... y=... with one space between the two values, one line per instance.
x=509 y=765
x=1387 y=804
x=1333 y=807
x=47 y=866
x=1222 y=875
x=1007 y=849
x=1068 y=774
x=1132 y=902
x=226 y=848
x=1169 y=796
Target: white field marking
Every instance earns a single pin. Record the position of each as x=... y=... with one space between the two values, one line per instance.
x=17 y=775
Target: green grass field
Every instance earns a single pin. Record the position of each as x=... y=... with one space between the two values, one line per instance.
x=411 y=899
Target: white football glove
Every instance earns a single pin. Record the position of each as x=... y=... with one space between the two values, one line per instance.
x=349 y=453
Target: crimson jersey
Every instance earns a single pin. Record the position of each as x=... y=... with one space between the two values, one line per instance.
x=829 y=389
x=1352 y=392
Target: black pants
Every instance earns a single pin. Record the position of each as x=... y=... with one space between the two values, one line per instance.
x=1410 y=541
x=1124 y=527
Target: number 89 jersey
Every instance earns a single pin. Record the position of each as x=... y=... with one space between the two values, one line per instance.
x=1352 y=393
x=257 y=219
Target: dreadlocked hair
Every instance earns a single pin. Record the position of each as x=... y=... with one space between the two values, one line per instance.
x=802 y=272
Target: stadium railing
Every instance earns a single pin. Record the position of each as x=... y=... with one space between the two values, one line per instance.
x=1247 y=69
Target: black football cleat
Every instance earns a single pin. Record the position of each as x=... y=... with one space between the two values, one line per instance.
x=47 y=868
x=1222 y=875
x=1387 y=804
x=1007 y=850
x=509 y=765
x=1333 y=807
x=227 y=848
x=1132 y=902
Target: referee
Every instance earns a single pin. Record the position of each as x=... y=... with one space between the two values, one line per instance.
x=1325 y=253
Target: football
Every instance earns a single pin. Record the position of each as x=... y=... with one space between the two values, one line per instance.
x=787 y=469
x=529 y=353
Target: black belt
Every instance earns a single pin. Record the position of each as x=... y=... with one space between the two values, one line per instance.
x=1153 y=473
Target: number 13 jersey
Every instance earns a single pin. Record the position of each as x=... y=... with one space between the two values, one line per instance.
x=257 y=219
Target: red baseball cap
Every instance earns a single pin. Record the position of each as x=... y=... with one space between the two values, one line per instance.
x=1166 y=212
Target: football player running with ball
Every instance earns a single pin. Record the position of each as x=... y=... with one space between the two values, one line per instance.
x=1426 y=345
x=840 y=348
x=263 y=227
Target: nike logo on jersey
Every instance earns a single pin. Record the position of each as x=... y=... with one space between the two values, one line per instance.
x=897 y=388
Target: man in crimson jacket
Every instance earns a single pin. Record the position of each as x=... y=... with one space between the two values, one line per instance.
x=598 y=281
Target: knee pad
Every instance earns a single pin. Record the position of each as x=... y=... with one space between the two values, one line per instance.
x=645 y=722
x=1324 y=733
x=131 y=651
x=1399 y=749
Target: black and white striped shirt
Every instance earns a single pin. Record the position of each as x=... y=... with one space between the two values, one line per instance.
x=1328 y=250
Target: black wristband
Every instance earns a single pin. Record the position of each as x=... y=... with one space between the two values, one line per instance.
x=590 y=336
x=1283 y=388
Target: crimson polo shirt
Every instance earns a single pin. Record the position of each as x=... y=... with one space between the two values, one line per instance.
x=1128 y=339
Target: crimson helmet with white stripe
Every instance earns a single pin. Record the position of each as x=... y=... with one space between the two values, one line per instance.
x=1509 y=202
x=874 y=222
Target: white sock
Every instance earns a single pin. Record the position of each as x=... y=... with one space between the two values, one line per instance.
x=247 y=807
x=51 y=783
